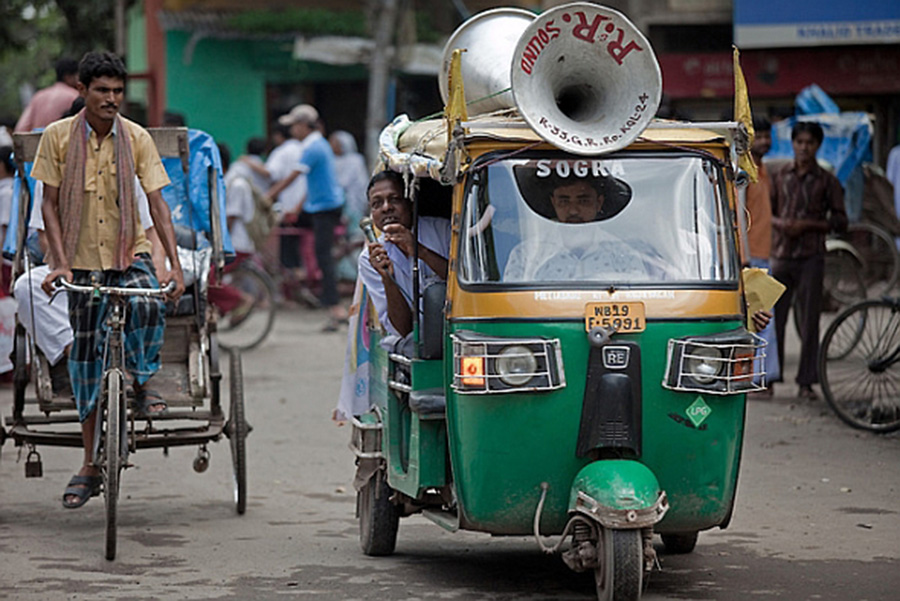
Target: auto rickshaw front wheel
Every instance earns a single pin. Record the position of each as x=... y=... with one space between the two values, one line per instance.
x=680 y=543
x=620 y=576
x=379 y=518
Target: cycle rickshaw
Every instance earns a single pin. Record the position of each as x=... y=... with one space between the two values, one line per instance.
x=189 y=380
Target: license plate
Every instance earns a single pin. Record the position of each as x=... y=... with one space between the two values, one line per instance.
x=624 y=317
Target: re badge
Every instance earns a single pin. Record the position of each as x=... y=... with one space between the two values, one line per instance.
x=616 y=357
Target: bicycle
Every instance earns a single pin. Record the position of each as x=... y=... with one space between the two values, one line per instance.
x=859 y=365
x=247 y=331
x=111 y=440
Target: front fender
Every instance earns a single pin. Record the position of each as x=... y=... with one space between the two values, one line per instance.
x=618 y=493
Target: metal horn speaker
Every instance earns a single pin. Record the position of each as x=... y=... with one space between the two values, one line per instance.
x=585 y=79
x=488 y=39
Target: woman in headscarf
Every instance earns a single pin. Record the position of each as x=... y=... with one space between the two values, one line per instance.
x=353 y=177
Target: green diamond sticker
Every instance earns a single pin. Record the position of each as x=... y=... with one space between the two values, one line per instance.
x=698 y=411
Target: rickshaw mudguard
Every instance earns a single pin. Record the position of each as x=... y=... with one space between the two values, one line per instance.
x=618 y=493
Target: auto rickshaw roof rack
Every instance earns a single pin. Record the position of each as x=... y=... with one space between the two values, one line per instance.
x=422 y=148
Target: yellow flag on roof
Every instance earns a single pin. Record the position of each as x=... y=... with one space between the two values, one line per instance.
x=455 y=111
x=743 y=115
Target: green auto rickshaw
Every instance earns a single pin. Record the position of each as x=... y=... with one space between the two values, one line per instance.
x=578 y=379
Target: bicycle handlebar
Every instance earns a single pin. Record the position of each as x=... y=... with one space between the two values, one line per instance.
x=115 y=290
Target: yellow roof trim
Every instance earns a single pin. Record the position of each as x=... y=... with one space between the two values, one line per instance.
x=429 y=138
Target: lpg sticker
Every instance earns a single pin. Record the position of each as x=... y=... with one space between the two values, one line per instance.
x=616 y=357
x=698 y=411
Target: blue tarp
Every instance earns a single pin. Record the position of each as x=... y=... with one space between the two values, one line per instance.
x=813 y=100
x=188 y=198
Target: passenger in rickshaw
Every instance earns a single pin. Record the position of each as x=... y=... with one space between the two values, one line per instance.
x=385 y=266
x=88 y=169
x=580 y=251
x=47 y=319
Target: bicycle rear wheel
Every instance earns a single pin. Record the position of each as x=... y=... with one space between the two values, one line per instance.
x=858 y=365
x=248 y=332
x=879 y=254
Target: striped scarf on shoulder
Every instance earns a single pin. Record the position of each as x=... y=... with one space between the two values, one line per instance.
x=72 y=191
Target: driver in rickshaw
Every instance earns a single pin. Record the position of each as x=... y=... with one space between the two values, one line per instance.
x=88 y=164
x=576 y=252
x=385 y=266
x=579 y=201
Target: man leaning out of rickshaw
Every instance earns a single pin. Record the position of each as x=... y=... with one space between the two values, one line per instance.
x=385 y=266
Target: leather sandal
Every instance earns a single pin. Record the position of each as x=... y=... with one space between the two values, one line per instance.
x=83 y=487
x=144 y=398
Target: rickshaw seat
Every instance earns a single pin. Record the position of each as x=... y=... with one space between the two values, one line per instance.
x=428 y=404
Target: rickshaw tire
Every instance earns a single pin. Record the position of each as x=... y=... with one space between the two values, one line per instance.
x=623 y=563
x=238 y=430
x=677 y=544
x=215 y=375
x=20 y=373
x=379 y=518
x=112 y=438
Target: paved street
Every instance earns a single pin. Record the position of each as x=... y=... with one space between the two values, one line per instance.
x=817 y=514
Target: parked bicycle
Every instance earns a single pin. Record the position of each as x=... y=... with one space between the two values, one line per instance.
x=859 y=365
x=247 y=329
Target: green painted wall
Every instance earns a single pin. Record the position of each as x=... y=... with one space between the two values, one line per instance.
x=219 y=91
x=136 y=54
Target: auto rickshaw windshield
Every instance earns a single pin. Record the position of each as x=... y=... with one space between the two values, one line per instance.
x=574 y=222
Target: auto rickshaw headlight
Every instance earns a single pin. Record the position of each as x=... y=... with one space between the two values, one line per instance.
x=704 y=363
x=730 y=362
x=516 y=365
x=484 y=364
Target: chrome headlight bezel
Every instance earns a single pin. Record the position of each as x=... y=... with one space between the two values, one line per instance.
x=703 y=363
x=516 y=365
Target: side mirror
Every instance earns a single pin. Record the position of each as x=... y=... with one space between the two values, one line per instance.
x=431 y=332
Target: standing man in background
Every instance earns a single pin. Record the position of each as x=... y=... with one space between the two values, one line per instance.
x=759 y=235
x=49 y=104
x=323 y=200
x=807 y=204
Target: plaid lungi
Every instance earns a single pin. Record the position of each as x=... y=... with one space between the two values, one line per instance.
x=143 y=336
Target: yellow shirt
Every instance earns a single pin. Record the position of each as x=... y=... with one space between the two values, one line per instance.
x=99 y=228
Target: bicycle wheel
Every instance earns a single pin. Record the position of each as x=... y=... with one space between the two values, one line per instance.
x=237 y=430
x=858 y=365
x=248 y=331
x=879 y=254
x=111 y=456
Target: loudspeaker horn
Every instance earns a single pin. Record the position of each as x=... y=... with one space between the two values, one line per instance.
x=488 y=39
x=585 y=78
